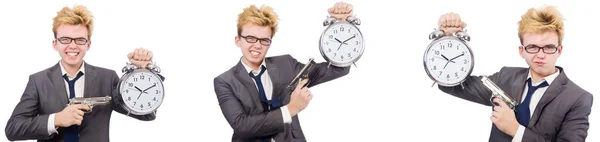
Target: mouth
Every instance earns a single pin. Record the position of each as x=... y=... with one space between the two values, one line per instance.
x=72 y=54
x=539 y=63
x=255 y=53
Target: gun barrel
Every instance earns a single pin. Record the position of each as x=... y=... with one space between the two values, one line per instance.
x=303 y=73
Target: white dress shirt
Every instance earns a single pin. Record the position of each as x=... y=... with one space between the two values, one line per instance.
x=79 y=84
x=268 y=86
x=535 y=98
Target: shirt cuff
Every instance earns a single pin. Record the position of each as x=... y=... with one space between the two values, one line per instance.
x=285 y=113
x=51 y=128
x=519 y=135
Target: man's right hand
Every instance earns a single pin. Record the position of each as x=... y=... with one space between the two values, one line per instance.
x=299 y=99
x=451 y=23
x=71 y=115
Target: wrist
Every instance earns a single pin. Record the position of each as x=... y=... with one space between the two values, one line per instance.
x=293 y=111
x=513 y=130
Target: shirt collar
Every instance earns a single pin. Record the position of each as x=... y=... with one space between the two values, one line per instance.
x=248 y=69
x=548 y=79
x=64 y=71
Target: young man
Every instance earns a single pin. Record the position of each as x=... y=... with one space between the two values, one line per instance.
x=551 y=107
x=43 y=112
x=253 y=95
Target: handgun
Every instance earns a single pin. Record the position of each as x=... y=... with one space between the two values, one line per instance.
x=91 y=102
x=498 y=93
x=303 y=74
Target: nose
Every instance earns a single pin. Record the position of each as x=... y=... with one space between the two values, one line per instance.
x=540 y=55
x=257 y=45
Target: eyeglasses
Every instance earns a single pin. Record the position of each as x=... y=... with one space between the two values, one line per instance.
x=548 y=49
x=68 y=40
x=253 y=39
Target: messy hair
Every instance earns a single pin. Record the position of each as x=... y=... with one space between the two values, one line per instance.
x=265 y=16
x=78 y=15
x=545 y=19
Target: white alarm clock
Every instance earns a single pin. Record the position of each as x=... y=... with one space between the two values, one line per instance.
x=448 y=60
x=341 y=43
x=141 y=89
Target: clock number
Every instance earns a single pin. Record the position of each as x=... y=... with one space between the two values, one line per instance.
x=349 y=56
x=334 y=54
x=130 y=84
x=443 y=47
x=356 y=44
x=335 y=31
x=434 y=67
x=142 y=77
x=148 y=104
x=342 y=29
x=134 y=103
x=437 y=52
x=134 y=79
x=449 y=45
x=154 y=99
x=349 y=30
x=128 y=98
x=342 y=57
x=463 y=52
x=330 y=36
x=156 y=91
x=462 y=69
x=329 y=50
x=127 y=91
x=465 y=61
x=355 y=48
x=440 y=72
x=141 y=106
x=455 y=74
x=448 y=76
x=327 y=43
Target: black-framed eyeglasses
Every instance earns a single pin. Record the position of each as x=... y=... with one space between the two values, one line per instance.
x=68 y=40
x=253 y=39
x=548 y=49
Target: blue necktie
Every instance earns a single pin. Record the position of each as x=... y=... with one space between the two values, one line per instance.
x=72 y=132
x=268 y=104
x=523 y=112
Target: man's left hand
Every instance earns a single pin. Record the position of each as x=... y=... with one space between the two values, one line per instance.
x=504 y=118
x=140 y=57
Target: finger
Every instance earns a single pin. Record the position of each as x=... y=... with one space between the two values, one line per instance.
x=300 y=84
x=496 y=114
x=494 y=119
x=349 y=9
x=463 y=25
x=502 y=103
x=458 y=21
x=138 y=53
x=452 y=20
x=130 y=55
x=78 y=117
x=150 y=55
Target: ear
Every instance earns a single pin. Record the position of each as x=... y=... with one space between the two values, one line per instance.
x=89 y=44
x=55 y=45
x=237 y=41
x=521 y=51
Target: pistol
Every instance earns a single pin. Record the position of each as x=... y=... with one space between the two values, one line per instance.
x=498 y=93
x=91 y=102
x=303 y=74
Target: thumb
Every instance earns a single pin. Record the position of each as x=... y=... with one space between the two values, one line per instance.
x=130 y=55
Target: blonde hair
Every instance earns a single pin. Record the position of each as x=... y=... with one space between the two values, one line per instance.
x=545 y=19
x=265 y=16
x=78 y=15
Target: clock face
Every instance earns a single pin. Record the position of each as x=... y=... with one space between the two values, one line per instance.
x=142 y=92
x=448 y=61
x=342 y=43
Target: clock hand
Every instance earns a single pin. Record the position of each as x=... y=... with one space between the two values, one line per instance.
x=457 y=56
x=338 y=40
x=340 y=47
x=446 y=64
x=139 y=96
x=149 y=88
x=442 y=58
x=349 y=39
x=445 y=58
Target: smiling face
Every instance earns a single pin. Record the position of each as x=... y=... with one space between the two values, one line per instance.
x=548 y=50
x=71 y=43
x=254 y=42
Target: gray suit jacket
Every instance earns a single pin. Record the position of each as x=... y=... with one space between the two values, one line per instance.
x=561 y=114
x=46 y=94
x=241 y=105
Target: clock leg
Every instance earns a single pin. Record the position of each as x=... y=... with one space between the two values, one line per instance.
x=354 y=64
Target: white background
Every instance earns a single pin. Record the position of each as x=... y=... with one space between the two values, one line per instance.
x=388 y=97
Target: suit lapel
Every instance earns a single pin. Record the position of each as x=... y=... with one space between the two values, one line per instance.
x=242 y=76
x=59 y=84
x=275 y=78
x=519 y=85
x=90 y=80
x=553 y=90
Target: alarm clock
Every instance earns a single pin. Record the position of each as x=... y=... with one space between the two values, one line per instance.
x=448 y=60
x=342 y=42
x=141 y=89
